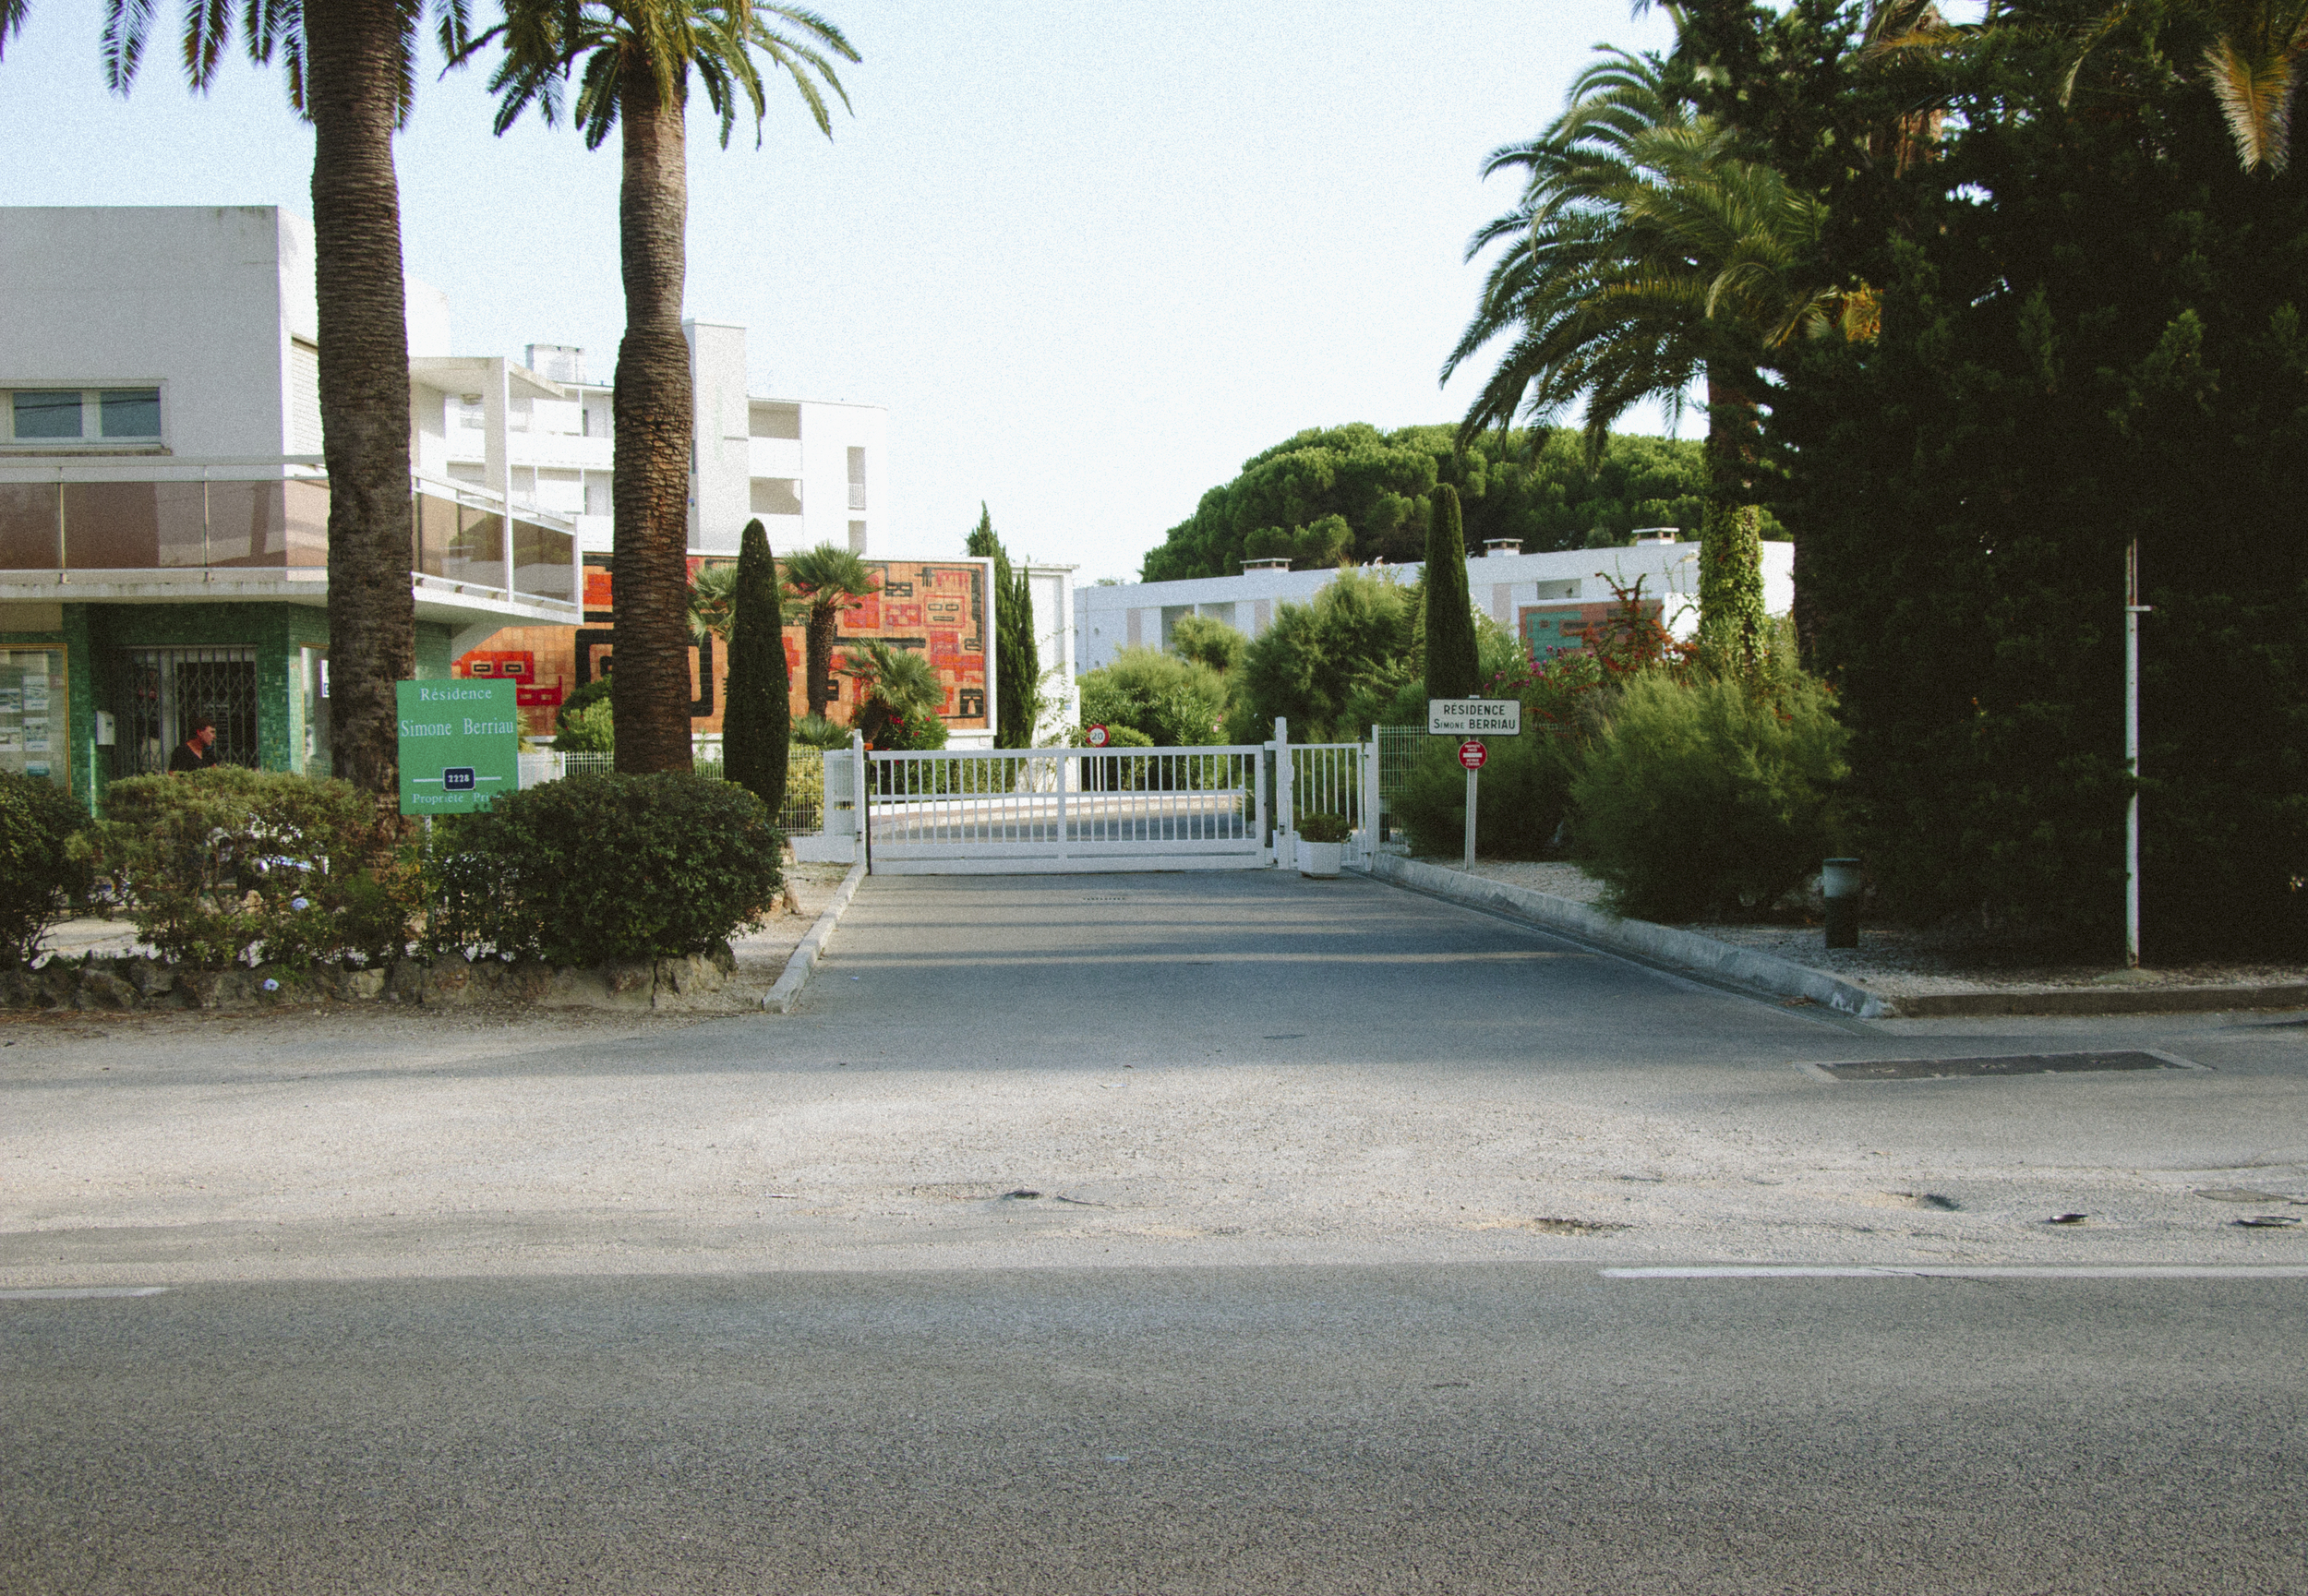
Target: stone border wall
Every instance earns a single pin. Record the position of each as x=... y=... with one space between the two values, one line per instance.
x=107 y=984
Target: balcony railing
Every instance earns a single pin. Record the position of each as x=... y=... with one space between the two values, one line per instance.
x=159 y=514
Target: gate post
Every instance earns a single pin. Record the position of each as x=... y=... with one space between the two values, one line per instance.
x=1285 y=822
x=858 y=773
x=1370 y=797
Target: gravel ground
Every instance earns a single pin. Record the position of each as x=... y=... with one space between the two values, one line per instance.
x=1892 y=960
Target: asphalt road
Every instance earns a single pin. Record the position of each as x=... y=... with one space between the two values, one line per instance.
x=1316 y=1292
x=1483 y=1429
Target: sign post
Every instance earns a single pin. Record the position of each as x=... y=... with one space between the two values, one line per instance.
x=1470 y=720
x=460 y=742
x=1472 y=754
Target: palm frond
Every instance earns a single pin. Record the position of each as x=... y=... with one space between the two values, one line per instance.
x=2254 y=88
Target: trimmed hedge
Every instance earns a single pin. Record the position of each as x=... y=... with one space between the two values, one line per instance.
x=603 y=869
x=227 y=866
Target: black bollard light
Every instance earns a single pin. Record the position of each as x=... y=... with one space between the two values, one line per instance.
x=1839 y=885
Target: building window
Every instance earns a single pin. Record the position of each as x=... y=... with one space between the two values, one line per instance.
x=857 y=479
x=856 y=537
x=84 y=416
x=776 y=420
x=777 y=496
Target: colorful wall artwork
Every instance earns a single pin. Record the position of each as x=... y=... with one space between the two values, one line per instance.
x=932 y=607
x=1549 y=628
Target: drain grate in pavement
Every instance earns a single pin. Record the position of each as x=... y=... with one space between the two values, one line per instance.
x=2002 y=1064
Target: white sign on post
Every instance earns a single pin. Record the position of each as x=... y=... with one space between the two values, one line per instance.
x=1475 y=717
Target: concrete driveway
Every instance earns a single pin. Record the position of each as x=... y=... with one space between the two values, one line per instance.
x=1208 y=1070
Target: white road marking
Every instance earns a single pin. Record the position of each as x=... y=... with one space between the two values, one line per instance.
x=1967 y=1272
x=70 y=1293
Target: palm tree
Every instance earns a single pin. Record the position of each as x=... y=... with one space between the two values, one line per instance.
x=1644 y=258
x=2251 y=53
x=2252 y=61
x=633 y=61
x=351 y=66
x=899 y=695
x=828 y=580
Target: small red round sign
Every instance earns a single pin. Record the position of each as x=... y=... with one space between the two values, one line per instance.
x=1096 y=736
x=1472 y=754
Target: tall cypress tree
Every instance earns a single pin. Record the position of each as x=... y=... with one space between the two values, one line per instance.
x=1451 y=667
x=1016 y=658
x=757 y=720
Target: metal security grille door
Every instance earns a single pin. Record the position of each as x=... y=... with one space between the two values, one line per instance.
x=1007 y=812
x=164 y=692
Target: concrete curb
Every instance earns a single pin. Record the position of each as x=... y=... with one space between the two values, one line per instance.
x=1784 y=977
x=2102 y=1000
x=1762 y=972
x=782 y=996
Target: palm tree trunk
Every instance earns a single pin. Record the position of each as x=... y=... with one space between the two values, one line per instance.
x=649 y=689
x=1731 y=621
x=352 y=93
x=818 y=652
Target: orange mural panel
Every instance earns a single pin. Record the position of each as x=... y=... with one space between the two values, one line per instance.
x=933 y=607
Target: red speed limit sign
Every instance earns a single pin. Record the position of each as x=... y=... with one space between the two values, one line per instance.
x=1473 y=754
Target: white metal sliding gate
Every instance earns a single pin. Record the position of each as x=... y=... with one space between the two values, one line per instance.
x=1009 y=811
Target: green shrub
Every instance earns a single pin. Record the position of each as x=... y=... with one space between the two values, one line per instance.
x=588 y=729
x=1173 y=702
x=1326 y=828
x=1709 y=793
x=595 y=869
x=579 y=699
x=1208 y=641
x=1322 y=663
x=40 y=871
x=1524 y=796
x=228 y=864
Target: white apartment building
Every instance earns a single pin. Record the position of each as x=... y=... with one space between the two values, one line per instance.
x=815 y=471
x=1549 y=600
x=164 y=505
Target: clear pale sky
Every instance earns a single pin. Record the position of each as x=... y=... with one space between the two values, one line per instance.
x=1091 y=257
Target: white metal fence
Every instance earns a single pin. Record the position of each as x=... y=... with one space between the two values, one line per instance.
x=1028 y=810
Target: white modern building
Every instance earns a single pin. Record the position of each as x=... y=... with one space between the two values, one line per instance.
x=814 y=470
x=163 y=507
x=1549 y=600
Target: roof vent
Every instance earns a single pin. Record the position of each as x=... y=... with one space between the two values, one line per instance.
x=1272 y=562
x=1658 y=534
x=1498 y=548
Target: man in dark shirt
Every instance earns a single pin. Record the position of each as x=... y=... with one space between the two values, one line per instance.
x=197 y=751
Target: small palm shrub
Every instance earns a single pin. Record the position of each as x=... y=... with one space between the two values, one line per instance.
x=816 y=731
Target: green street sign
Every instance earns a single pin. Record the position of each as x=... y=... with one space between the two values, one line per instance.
x=459 y=744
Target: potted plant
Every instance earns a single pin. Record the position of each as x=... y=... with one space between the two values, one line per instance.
x=1322 y=843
